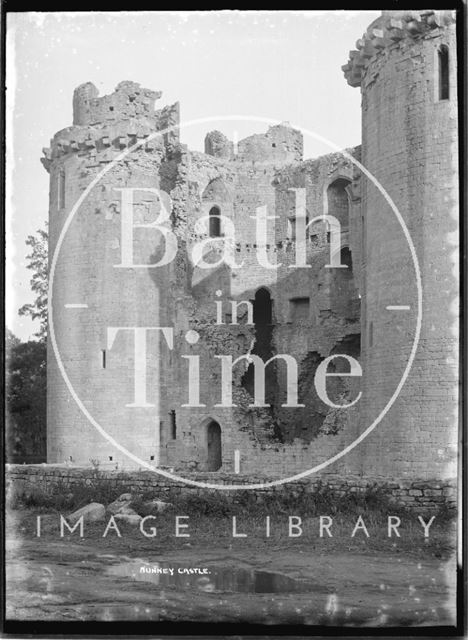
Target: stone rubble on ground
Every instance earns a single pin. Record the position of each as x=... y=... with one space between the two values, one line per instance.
x=129 y=516
x=93 y=512
x=157 y=505
x=122 y=502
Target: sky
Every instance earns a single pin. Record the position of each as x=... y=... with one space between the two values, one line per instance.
x=281 y=65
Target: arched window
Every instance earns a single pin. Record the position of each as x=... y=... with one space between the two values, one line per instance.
x=338 y=201
x=443 y=71
x=215 y=222
x=262 y=307
x=213 y=437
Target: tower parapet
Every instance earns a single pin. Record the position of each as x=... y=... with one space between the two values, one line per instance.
x=218 y=145
x=106 y=125
x=390 y=30
x=281 y=144
x=128 y=100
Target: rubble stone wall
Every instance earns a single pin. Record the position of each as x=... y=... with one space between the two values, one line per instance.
x=423 y=496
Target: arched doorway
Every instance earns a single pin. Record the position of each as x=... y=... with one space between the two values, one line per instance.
x=213 y=438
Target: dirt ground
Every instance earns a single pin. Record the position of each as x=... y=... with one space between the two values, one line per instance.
x=278 y=581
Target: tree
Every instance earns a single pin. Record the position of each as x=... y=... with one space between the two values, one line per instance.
x=25 y=399
x=38 y=264
x=11 y=341
x=26 y=368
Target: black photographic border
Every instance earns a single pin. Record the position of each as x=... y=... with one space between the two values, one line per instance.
x=135 y=629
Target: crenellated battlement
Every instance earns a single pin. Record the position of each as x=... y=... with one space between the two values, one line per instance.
x=388 y=31
x=105 y=141
x=106 y=125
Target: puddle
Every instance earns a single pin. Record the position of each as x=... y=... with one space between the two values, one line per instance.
x=213 y=578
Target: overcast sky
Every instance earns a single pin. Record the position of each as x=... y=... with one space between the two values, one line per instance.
x=280 y=65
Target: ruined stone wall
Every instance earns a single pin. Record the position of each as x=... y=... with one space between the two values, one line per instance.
x=237 y=187
x=410 y=145
x=419 y=496
x=279 y=145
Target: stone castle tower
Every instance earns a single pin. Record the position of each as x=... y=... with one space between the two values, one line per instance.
x=405 y=65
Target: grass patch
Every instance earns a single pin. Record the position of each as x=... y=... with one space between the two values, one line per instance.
x=208 y=532
x=375 y=499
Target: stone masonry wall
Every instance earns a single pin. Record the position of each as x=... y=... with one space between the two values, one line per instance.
x=237 y=188
x=419 y=496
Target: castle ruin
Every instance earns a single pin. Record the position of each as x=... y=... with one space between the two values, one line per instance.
x=405 y=65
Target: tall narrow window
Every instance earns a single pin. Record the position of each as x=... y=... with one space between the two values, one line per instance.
x=103 y=358
x=213 y=436
x=61 y=189
x=346 y=258
x=215 y=222
x=443 y=64
x=172 y=416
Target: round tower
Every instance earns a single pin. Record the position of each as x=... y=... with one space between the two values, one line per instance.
x=96 y=294
x=405 y=65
